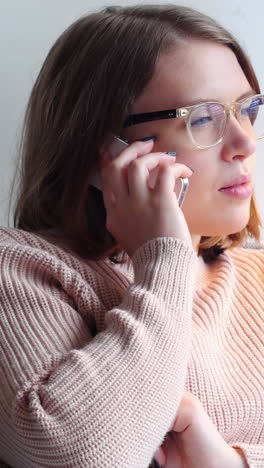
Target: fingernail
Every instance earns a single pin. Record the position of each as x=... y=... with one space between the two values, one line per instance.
x=191 y=168
x=171 y=153
x=148 y=138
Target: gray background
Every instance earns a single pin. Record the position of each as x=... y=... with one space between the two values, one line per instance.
x=28 y=29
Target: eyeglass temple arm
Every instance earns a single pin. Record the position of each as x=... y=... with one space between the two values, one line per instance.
x=135 y=119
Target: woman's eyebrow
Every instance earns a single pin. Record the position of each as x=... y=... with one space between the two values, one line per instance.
x=194 y=102
x=248 y=94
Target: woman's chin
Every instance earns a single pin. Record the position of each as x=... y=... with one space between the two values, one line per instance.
x=237 y=222
x=226 y=229
x=222 y=226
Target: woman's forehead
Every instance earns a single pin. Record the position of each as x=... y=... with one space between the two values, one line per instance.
x=194 y=71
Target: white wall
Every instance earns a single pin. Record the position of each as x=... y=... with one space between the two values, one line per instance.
x=28 y=28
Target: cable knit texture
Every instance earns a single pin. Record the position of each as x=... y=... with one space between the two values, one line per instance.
x=95 y=357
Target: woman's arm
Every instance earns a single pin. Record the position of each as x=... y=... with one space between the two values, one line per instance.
x=68 y=400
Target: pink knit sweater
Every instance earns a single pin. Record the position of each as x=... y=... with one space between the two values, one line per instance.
x=95 y=357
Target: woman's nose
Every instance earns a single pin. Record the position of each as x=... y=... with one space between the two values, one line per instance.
x=238 y=142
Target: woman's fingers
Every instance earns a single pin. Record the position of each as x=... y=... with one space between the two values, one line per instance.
x=139 y=170
x=129 y=172
x=113 y=172
x=131 y=203
x=167 y=175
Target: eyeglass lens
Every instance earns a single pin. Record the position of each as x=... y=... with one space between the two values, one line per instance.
x=207 y=122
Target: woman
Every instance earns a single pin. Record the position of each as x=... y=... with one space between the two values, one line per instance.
x=128 y=325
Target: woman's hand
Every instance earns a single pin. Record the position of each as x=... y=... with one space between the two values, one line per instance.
x=194 y=442
x=136 y=213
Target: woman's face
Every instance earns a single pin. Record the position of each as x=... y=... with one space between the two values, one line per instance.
x=201 y=71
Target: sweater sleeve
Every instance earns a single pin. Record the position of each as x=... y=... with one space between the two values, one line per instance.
x=72 y=400
x=254 y=454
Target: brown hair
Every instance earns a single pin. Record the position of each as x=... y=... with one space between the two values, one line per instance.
x=83 y=93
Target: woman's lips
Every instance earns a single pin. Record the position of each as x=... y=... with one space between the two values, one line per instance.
x=238 y=180
x=239 y=187
x=240 y=192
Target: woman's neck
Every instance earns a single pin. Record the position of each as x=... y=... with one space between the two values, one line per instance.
x=204 y=269
x=195 y=241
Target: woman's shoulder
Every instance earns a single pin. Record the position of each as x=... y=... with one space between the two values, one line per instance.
x=18 y=239
x=38 y=244
x=33 y=252
x=34 y=266
x=249 y=257
x=17 y=244
x=28 y=256
x=11 y=237
x=250 y=249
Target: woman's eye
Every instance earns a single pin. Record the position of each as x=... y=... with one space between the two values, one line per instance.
x=201 y=121
x=253 y=107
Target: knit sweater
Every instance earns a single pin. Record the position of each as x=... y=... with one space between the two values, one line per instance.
x=95 y=357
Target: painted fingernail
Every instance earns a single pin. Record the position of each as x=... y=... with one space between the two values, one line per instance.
x=148 y=138
x=171 y=153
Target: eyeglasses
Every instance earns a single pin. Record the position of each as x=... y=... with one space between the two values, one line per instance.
x=206 y=123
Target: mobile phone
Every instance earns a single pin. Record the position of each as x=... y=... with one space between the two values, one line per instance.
x=115 y=149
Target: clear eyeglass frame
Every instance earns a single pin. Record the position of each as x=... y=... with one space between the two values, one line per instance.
x=186 y=113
